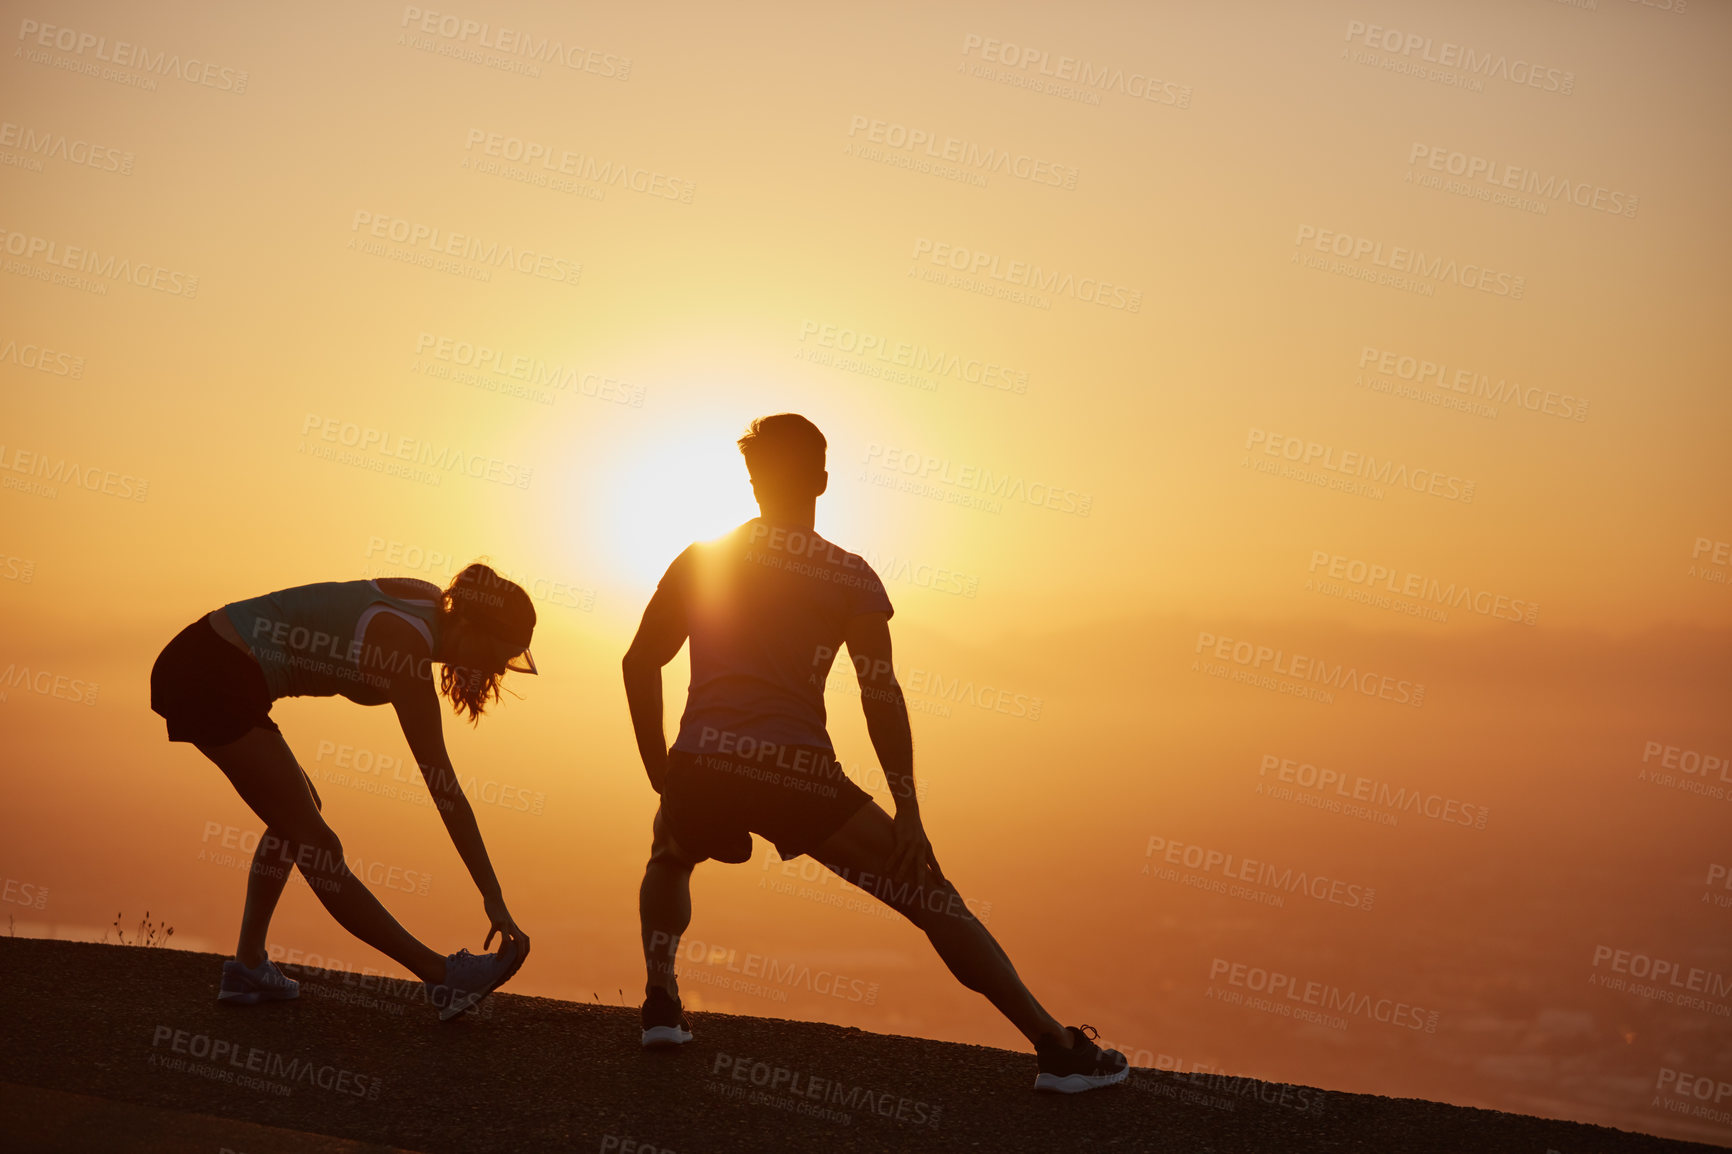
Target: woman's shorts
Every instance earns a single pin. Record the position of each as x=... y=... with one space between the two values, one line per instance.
x=208 y=690
x=713 y=803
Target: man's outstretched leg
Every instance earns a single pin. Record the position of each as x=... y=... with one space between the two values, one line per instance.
x=1069 y=1059
x=664 y=909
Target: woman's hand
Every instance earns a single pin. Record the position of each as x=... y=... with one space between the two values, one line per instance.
x=503 y=924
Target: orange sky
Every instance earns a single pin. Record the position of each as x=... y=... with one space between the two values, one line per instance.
x=1143 y=338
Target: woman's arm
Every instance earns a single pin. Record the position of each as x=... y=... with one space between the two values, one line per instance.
x=416 y=701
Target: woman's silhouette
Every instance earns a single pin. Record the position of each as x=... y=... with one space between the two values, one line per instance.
x=374 y=642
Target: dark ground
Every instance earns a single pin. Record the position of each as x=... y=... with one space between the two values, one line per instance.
x=93 y=1035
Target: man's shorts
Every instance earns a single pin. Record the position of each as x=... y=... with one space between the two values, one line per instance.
x=797 y=797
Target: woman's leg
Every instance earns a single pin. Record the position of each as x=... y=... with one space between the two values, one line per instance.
x=265 y=884
x=269 y=779
x=859 y=853
x=270 y=873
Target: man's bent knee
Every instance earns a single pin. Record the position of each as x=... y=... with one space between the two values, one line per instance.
x=664 y=850
x=665 y=854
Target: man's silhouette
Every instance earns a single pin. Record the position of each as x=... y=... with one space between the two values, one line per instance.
x=767 y=607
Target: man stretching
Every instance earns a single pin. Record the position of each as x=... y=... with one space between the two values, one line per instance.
x=766 y=608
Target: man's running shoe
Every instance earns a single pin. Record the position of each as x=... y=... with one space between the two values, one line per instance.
x=664 y=1022
x=471 y=977
x=1085 y=1066
x=250 y=985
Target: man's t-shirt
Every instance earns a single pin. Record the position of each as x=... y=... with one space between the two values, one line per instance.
x=766 y=607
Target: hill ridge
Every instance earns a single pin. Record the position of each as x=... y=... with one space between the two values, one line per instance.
x=365 y=1063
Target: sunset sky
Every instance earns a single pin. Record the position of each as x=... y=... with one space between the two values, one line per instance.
x=1142 y=335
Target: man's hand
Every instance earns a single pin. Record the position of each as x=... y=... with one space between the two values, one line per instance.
x=659 y=637
x=503 y=925
x=912 y=850
x=656 y=767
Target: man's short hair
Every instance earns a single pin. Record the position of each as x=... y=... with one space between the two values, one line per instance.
x=783 y=449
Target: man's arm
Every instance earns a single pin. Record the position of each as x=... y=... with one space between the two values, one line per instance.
x=658 y=640
x=868 y=639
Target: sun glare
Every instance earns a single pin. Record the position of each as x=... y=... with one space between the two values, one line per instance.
x=679 y=486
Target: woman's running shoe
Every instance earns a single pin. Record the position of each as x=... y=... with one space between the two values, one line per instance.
x=250 y=985
x=471 y=977
x=1085 y=1066
x=664 y=1021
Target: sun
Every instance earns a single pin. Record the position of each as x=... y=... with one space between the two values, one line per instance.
x=663 y=492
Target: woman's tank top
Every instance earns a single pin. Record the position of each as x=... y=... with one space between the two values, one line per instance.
x=307 y=638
